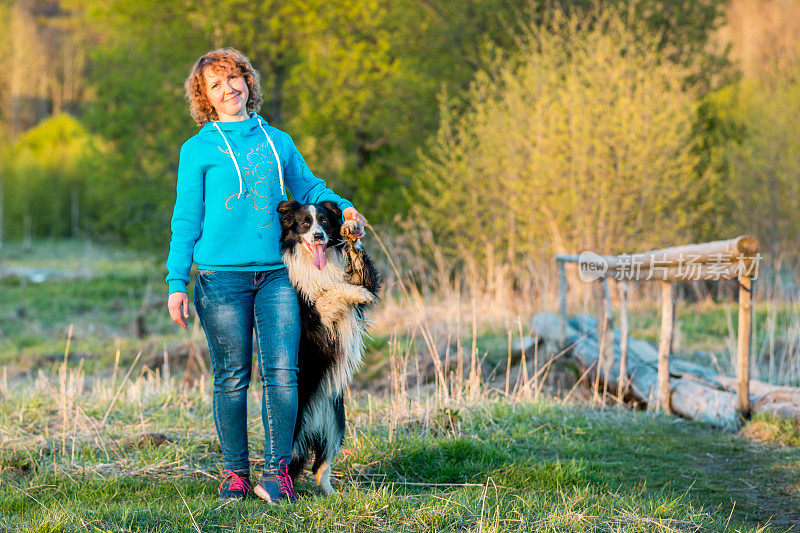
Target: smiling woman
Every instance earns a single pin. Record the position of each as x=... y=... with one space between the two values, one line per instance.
x=215 y=78
x=227 y=92
x=231 y=176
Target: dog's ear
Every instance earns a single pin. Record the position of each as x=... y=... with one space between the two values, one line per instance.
x=287 y=209
x=334 y=209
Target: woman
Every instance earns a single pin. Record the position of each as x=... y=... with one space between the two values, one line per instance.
x=231 y=176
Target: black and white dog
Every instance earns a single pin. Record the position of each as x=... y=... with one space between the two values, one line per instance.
x=336 y=282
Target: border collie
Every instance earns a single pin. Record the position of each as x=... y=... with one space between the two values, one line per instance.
x=336 y=282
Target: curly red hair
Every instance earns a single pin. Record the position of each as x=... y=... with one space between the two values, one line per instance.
x=220 y=60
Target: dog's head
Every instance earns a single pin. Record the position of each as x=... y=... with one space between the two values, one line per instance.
x=313 y=227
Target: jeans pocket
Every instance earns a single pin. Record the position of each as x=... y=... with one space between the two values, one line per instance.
x=206 y=272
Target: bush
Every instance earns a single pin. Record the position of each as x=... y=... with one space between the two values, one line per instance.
x=583 y=140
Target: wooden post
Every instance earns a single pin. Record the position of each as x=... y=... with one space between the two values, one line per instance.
x=607 y=303
x=562 y=302
x=664 y=345
x=623 y=342
x=743 y=361
x=599 y=366
x=607 y=357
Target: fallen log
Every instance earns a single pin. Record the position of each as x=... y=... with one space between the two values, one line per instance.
x=695 y=392
x=780 y=410
x=695 y=401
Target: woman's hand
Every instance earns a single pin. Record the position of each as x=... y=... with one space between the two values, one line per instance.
x=350 y=213
x=178 y=305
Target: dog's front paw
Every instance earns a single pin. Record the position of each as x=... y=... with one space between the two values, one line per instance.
x=364 y=296
x=351 y=230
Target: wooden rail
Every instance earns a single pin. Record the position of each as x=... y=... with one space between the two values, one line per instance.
x=711 y=261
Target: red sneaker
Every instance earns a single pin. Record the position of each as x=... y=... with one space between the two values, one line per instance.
x=234 y=486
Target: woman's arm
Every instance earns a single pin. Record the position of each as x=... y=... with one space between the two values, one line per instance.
x=186 y=223
x=304 y=186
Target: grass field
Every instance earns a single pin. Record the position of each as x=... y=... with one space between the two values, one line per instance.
x=491 y=465
x=73 y=456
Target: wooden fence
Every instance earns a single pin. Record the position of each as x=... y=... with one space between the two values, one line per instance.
x=735 y=259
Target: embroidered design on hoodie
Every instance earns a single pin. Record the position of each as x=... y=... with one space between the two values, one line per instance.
x=260 y=176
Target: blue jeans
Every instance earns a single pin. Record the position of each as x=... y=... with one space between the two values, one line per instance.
x=229 y=305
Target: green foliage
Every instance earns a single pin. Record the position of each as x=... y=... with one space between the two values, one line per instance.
x=714 y=128
x=773 y=429
x=683 y=30
x=141 y=51
x=346 y=96
x=764 y=164
x=581 y=141
x=356 y=83
x=47 y=179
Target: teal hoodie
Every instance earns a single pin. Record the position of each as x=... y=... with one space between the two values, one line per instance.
x=231 y=177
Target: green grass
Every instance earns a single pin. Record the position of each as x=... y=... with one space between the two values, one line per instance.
x=494 y=466
x=74 y=256
x=102 y=307
x=705 y=327
x=768 y=428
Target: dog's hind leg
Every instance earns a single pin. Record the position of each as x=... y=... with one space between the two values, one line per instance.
x=322 y=466
x=302 y=442
x=327 y=448
x=323 y=477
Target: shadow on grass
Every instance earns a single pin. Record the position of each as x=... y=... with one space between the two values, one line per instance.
x=610 y=451
x=464 y=460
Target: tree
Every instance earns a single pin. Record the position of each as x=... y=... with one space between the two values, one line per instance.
x=580 y=141
x=45 y=183
x=764 y=185
x=140 y=52
x=355 y=82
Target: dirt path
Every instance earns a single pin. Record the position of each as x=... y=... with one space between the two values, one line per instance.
x=766 y=488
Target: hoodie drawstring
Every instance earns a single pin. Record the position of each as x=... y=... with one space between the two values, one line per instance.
x=236 y=164
x=230 y=152
x=278 y=159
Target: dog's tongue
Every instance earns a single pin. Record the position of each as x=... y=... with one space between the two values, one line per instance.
x=318 y=255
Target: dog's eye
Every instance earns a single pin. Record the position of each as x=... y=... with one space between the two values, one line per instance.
x=306 y=223
x=323 y=221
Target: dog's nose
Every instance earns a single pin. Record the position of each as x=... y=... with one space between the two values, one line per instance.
x=319 y=236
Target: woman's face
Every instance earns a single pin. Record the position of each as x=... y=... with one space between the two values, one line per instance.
x=226 y=89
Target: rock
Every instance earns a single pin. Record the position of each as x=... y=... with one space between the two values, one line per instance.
x=698 y=392
x=643 y=380
x=545 y=325
x=679 y=367
x=645 y=351
x=759 y=389
x=779 y=395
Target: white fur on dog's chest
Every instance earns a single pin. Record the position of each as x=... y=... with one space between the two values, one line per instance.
x=328 y=284
x=308 y=279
